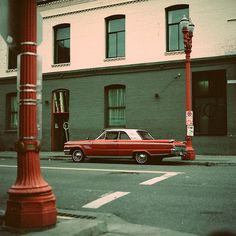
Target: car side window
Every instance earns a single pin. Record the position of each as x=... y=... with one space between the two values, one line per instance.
x=102 y=136
x=112 y=135
x=145 y=135
x=124 y=136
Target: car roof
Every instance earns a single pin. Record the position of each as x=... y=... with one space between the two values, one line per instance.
x=132 y=133
x=126 y=130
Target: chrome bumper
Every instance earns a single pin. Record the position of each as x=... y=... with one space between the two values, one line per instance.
x=67 y=151
x=178 y=151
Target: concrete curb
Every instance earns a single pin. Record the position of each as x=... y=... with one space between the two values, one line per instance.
x=103 y=224
x=78 y=227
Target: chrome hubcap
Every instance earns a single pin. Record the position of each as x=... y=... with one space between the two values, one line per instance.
x=77 y=156
x=141 y=158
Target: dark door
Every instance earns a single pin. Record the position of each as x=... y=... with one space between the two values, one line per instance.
x=60 y=119
x=61 y=135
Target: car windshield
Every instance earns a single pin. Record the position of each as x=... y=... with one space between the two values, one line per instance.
x=145 y=135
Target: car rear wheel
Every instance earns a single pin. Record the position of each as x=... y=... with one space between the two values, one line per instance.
x=78 y=155
x=141 y=157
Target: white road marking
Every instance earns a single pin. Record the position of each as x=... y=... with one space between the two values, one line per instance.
x=113 y=196
x=105 y=199
x=8 y=166
x=65 y=217
x=99 y=170
x=160 y=178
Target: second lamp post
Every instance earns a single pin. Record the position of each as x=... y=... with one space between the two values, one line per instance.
x=187 y=28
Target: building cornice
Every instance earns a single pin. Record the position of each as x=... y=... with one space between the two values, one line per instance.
x=142 y=67
x=133 y=68
x=88 y=9
x=8 y=80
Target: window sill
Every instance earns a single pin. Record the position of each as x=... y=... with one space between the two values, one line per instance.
x=11 y=131
x=11 y=70
x=60 y=65
x=114 y=59
x=171 y=53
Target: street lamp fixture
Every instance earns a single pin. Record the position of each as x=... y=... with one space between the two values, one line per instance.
x=187 y=28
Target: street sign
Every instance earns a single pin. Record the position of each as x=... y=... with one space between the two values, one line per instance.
x=190 y=130
x=189 y=117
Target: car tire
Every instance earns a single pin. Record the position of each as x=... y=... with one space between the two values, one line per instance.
x=78 y=155
x=141 y=157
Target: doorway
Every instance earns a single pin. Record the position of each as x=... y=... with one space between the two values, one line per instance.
x=60 y=119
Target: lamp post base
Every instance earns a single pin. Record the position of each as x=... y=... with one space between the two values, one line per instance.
x=31 y=203
x=190 y=152
x=190 y=155
x=30 y=211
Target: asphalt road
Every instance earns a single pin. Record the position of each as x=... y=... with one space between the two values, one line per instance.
x=193 y=199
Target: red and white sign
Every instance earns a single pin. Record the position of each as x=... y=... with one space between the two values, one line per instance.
x=189 y=118
x=190 y=130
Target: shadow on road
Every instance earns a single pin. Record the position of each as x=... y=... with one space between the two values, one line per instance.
x=129 y=162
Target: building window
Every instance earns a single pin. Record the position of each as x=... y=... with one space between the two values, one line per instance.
x=115 y=36
x=13 y=51
x=12 y=111
x=61 y=101
x=62 y=43
x=174 y=34
x=115 y=106
x=209 y=103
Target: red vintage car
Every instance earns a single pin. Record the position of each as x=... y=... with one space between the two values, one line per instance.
x=132 y=143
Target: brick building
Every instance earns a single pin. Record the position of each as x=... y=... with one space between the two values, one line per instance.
x=121 y=63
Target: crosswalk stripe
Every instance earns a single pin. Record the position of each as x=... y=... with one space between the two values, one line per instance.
x=105 y=199
x=160 y=178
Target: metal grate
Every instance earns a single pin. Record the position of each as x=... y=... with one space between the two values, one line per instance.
x=87 y=217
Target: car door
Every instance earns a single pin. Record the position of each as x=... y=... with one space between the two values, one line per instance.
x=107 y=145
x=124 y=145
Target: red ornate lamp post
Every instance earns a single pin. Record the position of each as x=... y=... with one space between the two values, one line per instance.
x=187 y=29
x=31 y=202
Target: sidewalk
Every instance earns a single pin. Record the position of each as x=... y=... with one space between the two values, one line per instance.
x=82 y=223
x=205 y=160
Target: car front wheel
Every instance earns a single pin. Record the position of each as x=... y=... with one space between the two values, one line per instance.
x=141 y=157
x=78 y=155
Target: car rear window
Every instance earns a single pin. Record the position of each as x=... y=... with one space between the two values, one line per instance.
x=124 y=136
x=144 y=135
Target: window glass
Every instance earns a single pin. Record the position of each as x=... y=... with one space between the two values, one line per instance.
x=175 y=16
x=115 y=100
x=145 y=135
x=173 y=37
x=62 y=44
x=102 y=136
x=116 y=25
x=112 y=45
x=116 y=117
x=12 y=111
x=12 y=56
x=124 y=136
x=121 y=44
x=115 y=37
x=209 y=103
x=112 y=135
x=174 y=32
x=61 y=101
x=63 y=33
